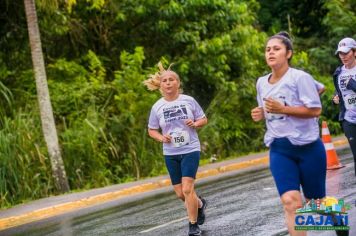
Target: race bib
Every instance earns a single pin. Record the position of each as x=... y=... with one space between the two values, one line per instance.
x=180 y=138
x=350 y=101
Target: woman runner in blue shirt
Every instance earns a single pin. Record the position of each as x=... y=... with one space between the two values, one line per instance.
x=345 y=84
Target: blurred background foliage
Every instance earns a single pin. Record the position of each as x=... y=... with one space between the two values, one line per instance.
x=97 y=54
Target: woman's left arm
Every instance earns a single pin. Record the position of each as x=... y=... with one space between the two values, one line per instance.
x=196 y=124
x=275 y=106
x=201 y=122
x=302 y=112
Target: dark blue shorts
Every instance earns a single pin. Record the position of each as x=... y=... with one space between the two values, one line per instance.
x=293 y=166
x=182 y=165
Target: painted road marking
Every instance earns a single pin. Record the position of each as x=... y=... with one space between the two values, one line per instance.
x=163 y=225
x=169 y=223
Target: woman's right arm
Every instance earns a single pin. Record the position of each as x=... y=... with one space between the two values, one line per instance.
x=336 y=99
x=156 y=135
x=257 y=114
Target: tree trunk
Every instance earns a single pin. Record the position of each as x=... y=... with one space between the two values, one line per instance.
x=136 y=164
x=47 y=120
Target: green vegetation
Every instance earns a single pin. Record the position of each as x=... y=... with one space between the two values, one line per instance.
x=97 y=54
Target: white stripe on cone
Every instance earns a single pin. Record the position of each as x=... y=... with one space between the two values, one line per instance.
x=329 y=146
x=325 y=131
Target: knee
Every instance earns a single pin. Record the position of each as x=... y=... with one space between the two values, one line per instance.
x=291 y=203
x=187 y=190
x=179 y=192
x=180 y=195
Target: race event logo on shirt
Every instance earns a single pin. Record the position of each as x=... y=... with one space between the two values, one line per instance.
x=344 y=80
x=175 y=113
x=323 y=214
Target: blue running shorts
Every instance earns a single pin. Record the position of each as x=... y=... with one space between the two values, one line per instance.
x=293 y=166
x=182 y=165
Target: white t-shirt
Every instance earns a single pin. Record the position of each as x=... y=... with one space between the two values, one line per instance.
x=295 y=88
x=319 y=85
x=170 y=117
x=348 y=95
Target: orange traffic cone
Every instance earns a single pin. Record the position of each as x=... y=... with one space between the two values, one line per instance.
x=332 y=158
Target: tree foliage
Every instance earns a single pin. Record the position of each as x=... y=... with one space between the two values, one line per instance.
x=98 y=52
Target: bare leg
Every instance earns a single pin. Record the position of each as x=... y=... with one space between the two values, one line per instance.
x=191 y=199
x=292 y=200
x=179 y=191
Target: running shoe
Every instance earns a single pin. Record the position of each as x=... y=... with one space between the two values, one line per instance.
x=341 y=223
x=201 y=212
x=194 y=229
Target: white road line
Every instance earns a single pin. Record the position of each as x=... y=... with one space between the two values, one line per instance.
x=267 y=188
x=161 y=226
x=168 y=223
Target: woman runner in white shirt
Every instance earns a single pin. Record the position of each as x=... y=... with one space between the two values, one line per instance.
x=173 y=121
x=289 y=103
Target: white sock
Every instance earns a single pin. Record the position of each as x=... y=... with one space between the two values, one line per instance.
x=200 y=203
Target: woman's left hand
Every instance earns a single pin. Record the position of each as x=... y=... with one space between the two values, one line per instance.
x=190 y=123
x=273 y=106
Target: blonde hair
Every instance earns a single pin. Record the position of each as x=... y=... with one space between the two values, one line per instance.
x=154 y=81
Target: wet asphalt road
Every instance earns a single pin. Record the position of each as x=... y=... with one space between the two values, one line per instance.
x=240 y=204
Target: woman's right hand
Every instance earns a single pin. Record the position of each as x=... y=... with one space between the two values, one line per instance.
x=156 y=135
x=257 y=114
x=336 y=99
x=166 y=138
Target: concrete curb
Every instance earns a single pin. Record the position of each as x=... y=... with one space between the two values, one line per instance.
x=58 y=209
